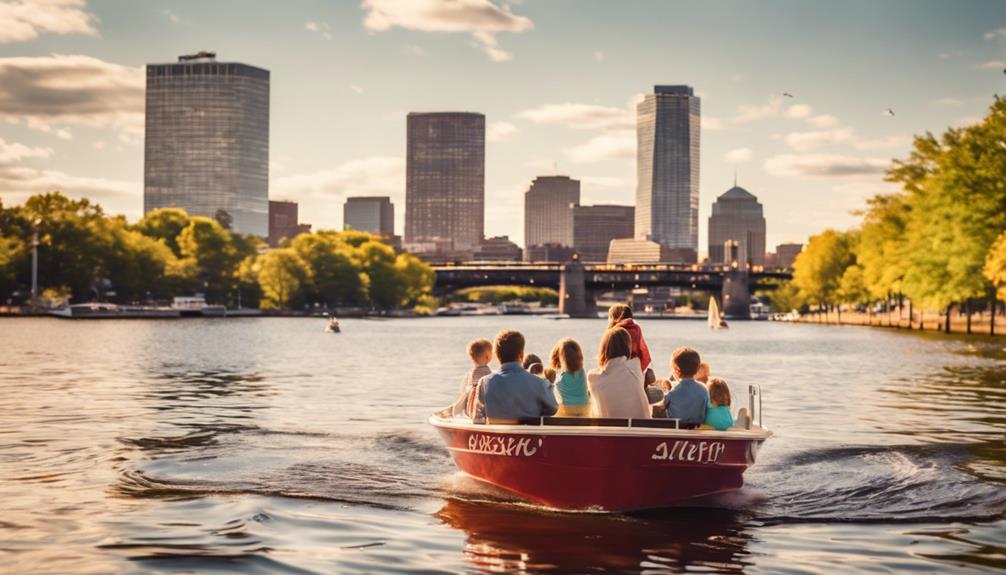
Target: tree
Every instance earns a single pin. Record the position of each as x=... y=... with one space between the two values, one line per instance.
x=995 y=266
x=882 y=250
x=818 y=270
x=377 y=260
x=165 y=224
x=224 y=218
x=281 y=273
x=211 y=248
x=336 y=280
x=851 y=287
x=416 y=280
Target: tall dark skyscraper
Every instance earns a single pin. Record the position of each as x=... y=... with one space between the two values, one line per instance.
x=738 y=216
x=445 y=179
x=374 y=214
x=595 y=226
x=207 y=140
x=548 y=210
x=667 y=168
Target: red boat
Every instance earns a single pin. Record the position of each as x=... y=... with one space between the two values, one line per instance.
x=602 y=464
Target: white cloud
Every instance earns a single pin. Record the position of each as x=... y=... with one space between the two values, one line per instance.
x=175 y=18
x=885 y=143
x=321 y=28
x=22 y=20
x=798 y=111
x=413 y=50
x=712 y=123
x=356 y=88
x=753 y=112
x=620 y=145
x=500 y=131
x=807 y=141
x=823 y=121
x=968 y=121
x=47 y=91
x=369 y=176
x=993 y=64
x=997 y=33
x=14 y=152
x=580 y=116
x=311 y=26
x=739 y=155
x=598 y=55
x=823 y=165
x=947 y=102
x=480 y=18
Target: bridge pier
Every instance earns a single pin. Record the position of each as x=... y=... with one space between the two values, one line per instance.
x=736 y=294
x=574 y=300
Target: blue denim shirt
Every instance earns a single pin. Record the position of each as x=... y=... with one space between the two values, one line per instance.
x=687 y=402
x=513 y=393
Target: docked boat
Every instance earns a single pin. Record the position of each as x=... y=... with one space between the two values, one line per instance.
x=99 y=310
x=196 y=306
x=603 y=463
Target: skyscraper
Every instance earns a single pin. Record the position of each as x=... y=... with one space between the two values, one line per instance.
x=548 y=211
x=284 y=222
x=445 y=179
x=667 y=167
x=207 y=140
x=738 y=216
x=595 y=226
x=374 y=214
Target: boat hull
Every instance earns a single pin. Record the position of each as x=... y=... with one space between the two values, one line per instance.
x=612 y=470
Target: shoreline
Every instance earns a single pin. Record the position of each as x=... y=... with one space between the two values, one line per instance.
x=980 y=324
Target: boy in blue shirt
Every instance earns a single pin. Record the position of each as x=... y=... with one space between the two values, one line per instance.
x=688 y=400
x=512 y=394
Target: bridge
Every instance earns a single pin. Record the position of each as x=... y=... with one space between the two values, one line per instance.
x=578 y=284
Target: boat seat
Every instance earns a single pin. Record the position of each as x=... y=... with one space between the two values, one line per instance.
x=603 y=422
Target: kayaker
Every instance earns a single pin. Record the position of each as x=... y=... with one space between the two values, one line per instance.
x=616 y=385
x=687 y=401
x=620 y=315
x=512 y=393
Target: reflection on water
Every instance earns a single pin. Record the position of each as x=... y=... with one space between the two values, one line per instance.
x=265 y=445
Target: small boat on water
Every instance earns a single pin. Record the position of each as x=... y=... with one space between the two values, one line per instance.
x=603 y=463
x=333 y=326
x=715 y=320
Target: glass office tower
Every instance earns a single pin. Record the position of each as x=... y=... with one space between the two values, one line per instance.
x=207 y=140
x=445 y=178
x=667 y=164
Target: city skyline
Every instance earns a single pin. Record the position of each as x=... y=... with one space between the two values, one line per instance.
x=338 y=125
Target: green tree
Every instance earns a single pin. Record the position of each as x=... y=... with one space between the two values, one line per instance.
x=165 y=224
x=882 y=250
x=416 y=280
x=281 y=274
x=852 y=287
x=995 y=266
x=224 y=218
x=377 y=260
x=211 y=248
x=336 y=279
x=818 y=270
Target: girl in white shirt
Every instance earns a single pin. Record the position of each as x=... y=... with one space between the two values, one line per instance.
x=616 y=387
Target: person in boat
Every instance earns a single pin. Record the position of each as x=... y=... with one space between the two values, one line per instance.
x=702 y=376
x=653 y=393
x=688 y=400
x=620 y=315
x=574 y=398
x=512 y=393
x=718 y=415
x=480 y=351
x=616 y=385
x=531 y=359
x=549 y=374
x=536 y=369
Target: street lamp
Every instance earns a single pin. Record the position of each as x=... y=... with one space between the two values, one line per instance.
x=34 y=259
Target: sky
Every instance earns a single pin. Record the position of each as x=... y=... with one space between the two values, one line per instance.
x=556 y=79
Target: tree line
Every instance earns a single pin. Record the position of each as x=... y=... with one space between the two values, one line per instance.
x=85 y=254
x=938 y=243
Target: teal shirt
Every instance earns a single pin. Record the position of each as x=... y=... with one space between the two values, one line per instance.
x=719 y=417
x=573 y=388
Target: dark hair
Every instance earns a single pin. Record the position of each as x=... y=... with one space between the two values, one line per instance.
x=567 y=355
x=617 y=313
x=509 y=345
x=477 y=347
x=687 y=361
x=536 y=368
x=531 y=359
x=615 y=343
x=719 y=392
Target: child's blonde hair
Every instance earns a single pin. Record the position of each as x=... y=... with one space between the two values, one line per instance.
x=719 y=392
x=567 y=355
x=549 y=374
x=478 y=347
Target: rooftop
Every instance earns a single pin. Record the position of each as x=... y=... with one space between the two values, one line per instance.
x=679 y=89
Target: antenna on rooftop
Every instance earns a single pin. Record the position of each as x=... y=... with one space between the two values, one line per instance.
x=735 y=176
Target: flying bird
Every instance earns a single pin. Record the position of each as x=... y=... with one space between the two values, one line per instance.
x=889 y=112
x=787 y=94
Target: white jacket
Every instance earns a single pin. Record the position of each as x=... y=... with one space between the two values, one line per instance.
x=617 y=390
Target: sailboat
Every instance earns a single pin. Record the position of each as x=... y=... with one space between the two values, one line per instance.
x=715 y=320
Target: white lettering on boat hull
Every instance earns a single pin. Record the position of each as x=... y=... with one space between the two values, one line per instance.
x=687 y=450
x=509 y=446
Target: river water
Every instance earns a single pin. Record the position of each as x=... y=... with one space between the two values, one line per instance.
x=266 y=445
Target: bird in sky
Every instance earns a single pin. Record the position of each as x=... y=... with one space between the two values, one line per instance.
x=787 y=94
x=889 y=112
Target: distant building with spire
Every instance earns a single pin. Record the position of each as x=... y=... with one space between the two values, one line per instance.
x=737 y=216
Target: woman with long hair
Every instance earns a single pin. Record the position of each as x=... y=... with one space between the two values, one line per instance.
x=620 y=315
x=616 y=385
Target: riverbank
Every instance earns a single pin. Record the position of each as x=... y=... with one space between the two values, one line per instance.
x=979 y=323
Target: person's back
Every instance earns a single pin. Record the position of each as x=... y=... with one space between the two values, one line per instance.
x=688 y=400
x=620 y=315
x=718 y=413
x=512 y=393
x=616 y=387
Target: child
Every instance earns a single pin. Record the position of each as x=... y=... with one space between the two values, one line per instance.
x=574 y=399
x=481 y=353
x=530 y=360
x=703 y=375
x=549 y=374
x=718 y=413
x=536 y=369
x=620 y=315
x=688 y=401
x=653 y=393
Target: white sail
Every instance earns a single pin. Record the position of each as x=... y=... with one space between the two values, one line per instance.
x=714 y=314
